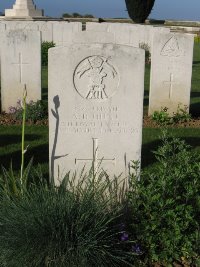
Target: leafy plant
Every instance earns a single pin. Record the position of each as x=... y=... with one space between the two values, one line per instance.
x=13 y=185
x=34 y=111
x=163 y=118
x=166 y=206
x=181 y=115
x=139 y=10
x=77 y=224
x=44 y=50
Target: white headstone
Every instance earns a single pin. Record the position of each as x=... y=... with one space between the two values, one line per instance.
x=95 y=108
x=171 y=71
x=23 y=8
x=128 y=34
x=2 y=31
x=46 y=28
x=21 y=64
x=31 y=26
x=63 y=31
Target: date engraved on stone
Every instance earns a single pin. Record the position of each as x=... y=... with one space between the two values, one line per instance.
x=95 y=78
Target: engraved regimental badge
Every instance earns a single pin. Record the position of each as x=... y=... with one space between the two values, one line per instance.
x=95 y=78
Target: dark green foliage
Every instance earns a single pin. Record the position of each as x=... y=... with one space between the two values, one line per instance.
x=44 y=50
x=166 y=206
x=139 y=10
x=74 y=225
x=35 y=111
x=67 y=15
x=77 y=15
x=163 y=118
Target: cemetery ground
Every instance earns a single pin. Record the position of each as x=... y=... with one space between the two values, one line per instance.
x=175 y=183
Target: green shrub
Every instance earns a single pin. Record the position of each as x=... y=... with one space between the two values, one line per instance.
x=77 y=224
x=35 y=111
x=181 y=115
x=163 y=118
x=44 y=50
x=166 y=206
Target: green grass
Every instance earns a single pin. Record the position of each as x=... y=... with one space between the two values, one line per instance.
x=37 y=139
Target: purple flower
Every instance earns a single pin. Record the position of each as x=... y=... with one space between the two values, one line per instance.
x=136 y=249
x=12 y=110
x=124 y=237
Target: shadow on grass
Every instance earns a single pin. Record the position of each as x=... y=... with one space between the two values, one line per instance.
x=9 y=139
x=146 y=98
x=195 y=110
x=196 y=62
x=40 y=155
x=148 y=157
x=45 y=94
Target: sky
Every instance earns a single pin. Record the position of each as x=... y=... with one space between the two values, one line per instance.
x=163 y=9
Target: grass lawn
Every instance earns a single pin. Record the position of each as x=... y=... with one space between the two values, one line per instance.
x=37 y=139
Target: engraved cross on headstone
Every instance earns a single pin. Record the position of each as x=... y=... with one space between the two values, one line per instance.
x=95 y=160
x=171 y=82
x=20 y=63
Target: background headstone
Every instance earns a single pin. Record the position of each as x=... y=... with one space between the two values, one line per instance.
x=46 y=28
x=21 y=64
x=63 y=31
x=95 y=108
x=171 y=71
x=128 y=34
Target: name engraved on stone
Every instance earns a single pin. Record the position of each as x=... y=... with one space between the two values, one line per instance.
x=171 y=48
x=20 y=64
x=95 y=78
x=171 y=83
x=95 y=159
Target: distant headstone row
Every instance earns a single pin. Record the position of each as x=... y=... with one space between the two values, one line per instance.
x=171 y=56
x=96 y=86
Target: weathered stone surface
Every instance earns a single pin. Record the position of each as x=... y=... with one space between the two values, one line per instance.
x=21 y=64
x=94 y=38
x=63 y=32
x=95 y=108
x=171 y=71
x=46 y=28
x=23 y=8
x=128 y=34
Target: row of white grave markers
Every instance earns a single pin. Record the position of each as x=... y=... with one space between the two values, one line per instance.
x=170 y=71
x=58 y=32
x=171 y=61
x=95 y=108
